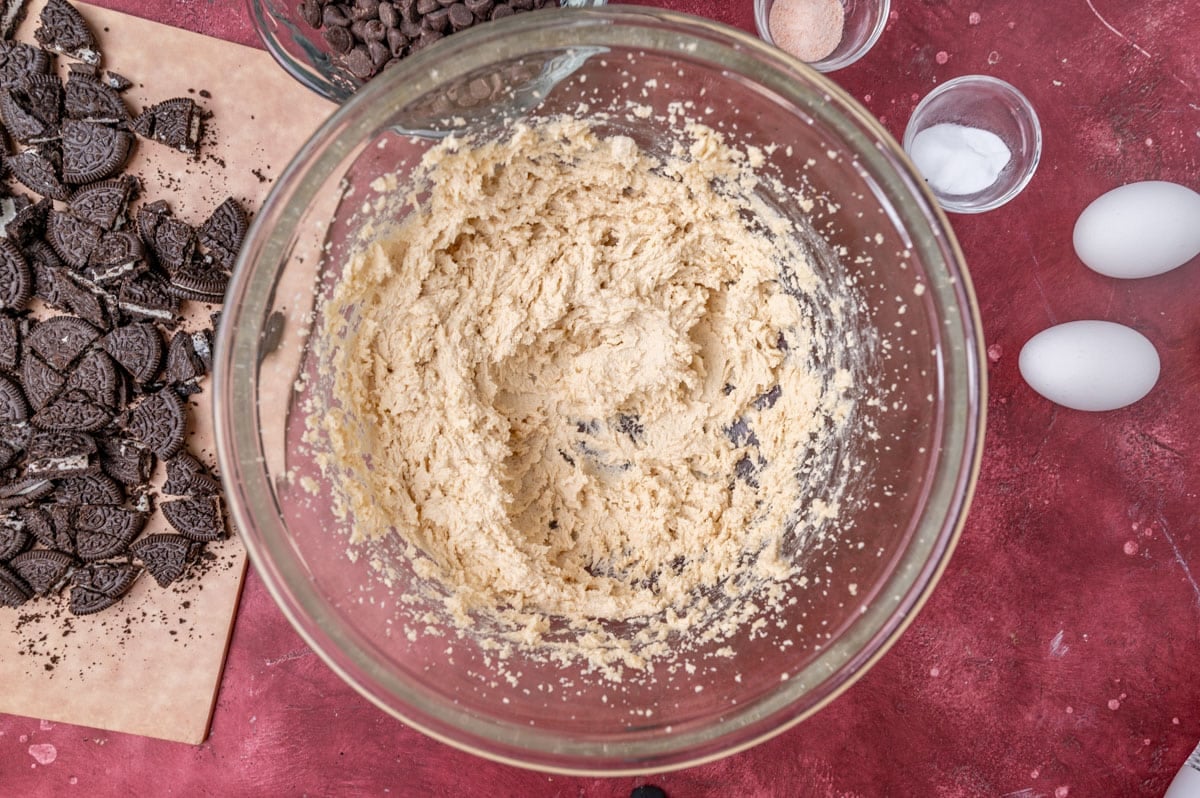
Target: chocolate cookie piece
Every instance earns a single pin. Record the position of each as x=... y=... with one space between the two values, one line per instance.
x=96 y=376
x=223 y=231
x=37 y=173
x=98 y=586
x=200 y=519
x=43 y=98
x=16 y=280
x=92 y=151
x=40 y=381
x=116 y=82
x=159 y=421
x=105 y=204
x=11 y=15
x=28 y=221
x=10 y=343
x=197 y=282
x=14 y=537
x=174 y=242
x=73 y=411
x=166 y=556
x=117 y=255
x=187 y=476
x=13 y=407
x=86 y=300
x=137 y=348
x=71 y=237
x=63 y=29
x=175 y=122
x=13 y=590
x=184 y=366
x=88 y=99
x=24 y=492
x=103 y=531
x=18 y=60
x=45 y=571
x=61 y=340
x=125 y=461
x=56 y=455
x=88 y=489
x=20 y=121
x=145 y=297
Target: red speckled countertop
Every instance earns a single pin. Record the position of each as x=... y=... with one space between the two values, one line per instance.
x=1057 y=656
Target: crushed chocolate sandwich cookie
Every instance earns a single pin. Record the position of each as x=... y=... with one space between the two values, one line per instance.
x=95 y=361
x=367 y=36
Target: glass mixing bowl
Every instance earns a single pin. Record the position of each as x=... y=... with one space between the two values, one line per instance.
x=916 y=439
x=305 y=55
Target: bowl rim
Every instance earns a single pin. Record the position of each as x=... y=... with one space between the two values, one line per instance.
x=231 y=381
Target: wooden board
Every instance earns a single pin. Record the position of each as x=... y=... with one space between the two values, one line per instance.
x=152 y=664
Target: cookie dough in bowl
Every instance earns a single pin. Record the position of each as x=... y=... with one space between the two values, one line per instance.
x=599 y=394
x=583 y=390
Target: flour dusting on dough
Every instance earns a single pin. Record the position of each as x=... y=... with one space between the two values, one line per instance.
x=592 y=398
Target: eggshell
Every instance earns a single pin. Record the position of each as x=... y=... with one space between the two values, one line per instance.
x=1090 y=365
x=1139 y=230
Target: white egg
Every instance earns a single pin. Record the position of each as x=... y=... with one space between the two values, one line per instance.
x=1139 y=230
x=1090 y=365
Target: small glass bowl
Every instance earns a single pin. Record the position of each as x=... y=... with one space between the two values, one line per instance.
x=864 y=21
x=305 y=55
x=987 y=103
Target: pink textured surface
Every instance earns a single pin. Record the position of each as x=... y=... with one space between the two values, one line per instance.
x=1055 y=658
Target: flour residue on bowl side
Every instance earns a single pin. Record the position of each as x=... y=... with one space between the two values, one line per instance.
x=581 y=386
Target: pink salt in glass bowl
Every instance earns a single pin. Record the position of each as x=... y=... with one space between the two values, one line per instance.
x=864 y=21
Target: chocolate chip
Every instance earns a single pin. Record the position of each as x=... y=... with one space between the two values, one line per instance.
x=360 y=63
x=333 y=16
x=460 y=16
x=310 y=12
x=338 y=37
x=480 y=8
x=521 y=5
x=388 y=15
x=437 y=20
x=501 y=11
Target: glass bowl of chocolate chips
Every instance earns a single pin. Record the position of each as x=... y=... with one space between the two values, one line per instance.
x=335 y=46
